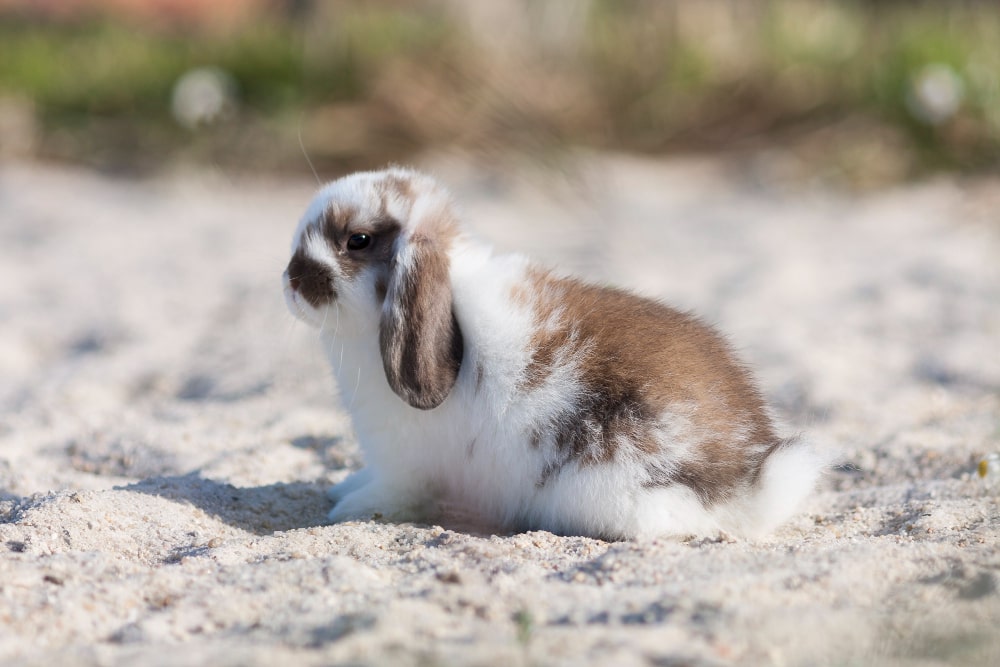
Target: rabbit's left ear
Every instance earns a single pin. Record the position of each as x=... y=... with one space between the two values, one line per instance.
x=419 y=337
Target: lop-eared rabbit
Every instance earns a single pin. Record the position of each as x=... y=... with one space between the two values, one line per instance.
x=529 y=399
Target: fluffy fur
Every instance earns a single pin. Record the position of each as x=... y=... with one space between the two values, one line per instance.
x=527 y=399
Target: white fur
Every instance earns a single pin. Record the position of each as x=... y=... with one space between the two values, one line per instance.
x=474 y=451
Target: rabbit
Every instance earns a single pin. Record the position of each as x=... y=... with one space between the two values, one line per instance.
x=529 y=399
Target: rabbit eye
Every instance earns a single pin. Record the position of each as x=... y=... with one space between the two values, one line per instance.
x=358 y=241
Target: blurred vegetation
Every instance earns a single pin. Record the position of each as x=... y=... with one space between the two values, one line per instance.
x=870 y=92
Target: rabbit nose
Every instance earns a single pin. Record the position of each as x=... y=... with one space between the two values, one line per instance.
x=311 y=279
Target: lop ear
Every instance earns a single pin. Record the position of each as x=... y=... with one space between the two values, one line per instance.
x=419 y=337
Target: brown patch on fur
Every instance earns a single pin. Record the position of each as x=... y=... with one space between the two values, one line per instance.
x=545 y=342
x=535 y=439
x=439 y=225
x=639 y=359
x=311 y=279
x=395 y=187
x=340 y=222
x=531 y=290
x=542 y=362
x=720 y=474
x=381 y=288
x=400 y=186
x=549 y=471
x=334 y=223
x=437 y=222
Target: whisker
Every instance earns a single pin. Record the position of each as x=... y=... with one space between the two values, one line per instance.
x=336 y=330
x=357 y=385
x=322 y=324
x=333 y=340
x=333 y=337
x=305 y=154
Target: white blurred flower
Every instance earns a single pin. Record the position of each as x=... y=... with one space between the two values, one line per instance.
x=935 y=94
x=203 y=96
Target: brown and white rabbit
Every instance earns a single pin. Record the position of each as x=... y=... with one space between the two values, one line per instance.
x=529 y=399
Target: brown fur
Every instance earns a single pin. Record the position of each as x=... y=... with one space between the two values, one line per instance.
x=401 y=187
x=639 y=359
x=340 y=223
x=310 y=279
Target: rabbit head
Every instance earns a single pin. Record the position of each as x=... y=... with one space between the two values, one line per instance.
x=371 y=255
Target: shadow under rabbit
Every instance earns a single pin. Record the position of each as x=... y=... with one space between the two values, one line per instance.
x=260 y=510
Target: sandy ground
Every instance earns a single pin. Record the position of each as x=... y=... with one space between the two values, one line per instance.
x=167 y=429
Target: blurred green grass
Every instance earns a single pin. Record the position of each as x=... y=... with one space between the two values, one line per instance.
x=847 y=88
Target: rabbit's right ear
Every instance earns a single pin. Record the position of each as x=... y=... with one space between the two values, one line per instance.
x=419 y=337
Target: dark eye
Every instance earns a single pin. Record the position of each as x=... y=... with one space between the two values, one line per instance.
x=358 y=241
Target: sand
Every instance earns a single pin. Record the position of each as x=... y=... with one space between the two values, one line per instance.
x=167 y=430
